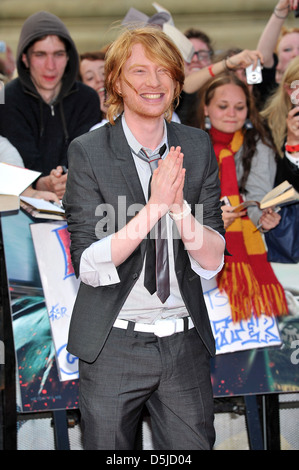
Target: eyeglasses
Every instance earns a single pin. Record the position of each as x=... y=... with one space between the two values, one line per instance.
x=202 y=55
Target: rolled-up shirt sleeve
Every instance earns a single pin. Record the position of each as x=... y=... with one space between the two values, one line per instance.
x=96 y=266
x=204 y=273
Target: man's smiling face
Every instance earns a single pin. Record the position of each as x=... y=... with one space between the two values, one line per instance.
x=147 y=88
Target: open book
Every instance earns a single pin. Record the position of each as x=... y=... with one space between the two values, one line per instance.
x=13 y=181
x=284 y=193
x=41 y=209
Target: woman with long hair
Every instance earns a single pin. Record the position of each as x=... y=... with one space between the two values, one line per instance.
x=281 y=115
x=247 y=168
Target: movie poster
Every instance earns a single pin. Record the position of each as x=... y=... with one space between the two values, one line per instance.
x=258 y=357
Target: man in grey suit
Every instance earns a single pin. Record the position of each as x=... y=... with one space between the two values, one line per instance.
x=136 y=347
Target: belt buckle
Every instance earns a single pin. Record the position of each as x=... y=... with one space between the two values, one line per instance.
x=165 y=328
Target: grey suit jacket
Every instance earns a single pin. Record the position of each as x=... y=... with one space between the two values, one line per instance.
x=101 y=168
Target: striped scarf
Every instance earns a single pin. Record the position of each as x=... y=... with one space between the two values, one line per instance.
x=247 y=276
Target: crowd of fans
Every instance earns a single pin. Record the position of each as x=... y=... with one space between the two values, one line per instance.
x=54 y=95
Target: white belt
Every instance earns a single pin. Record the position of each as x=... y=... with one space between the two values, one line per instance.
x=160 y=328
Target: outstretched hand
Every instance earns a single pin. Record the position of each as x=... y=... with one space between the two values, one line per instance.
x=244 y=59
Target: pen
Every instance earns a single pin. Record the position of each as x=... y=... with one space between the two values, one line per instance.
x=56 y=204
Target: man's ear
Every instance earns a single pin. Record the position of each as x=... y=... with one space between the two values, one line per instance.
x=25 y=60
x=117 y=87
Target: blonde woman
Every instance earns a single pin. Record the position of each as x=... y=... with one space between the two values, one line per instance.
x=281 y=115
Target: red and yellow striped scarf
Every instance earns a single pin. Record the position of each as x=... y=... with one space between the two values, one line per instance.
x=247 y=276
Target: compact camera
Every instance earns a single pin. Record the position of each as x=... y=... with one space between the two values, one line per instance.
x=254 y=76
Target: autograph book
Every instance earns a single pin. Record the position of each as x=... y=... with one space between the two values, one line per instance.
x=41 y=209
x=284 y=193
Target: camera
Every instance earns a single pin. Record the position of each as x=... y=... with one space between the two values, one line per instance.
x=254 y=76
x=296 y=12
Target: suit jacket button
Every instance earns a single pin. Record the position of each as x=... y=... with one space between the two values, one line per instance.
x=135 y=275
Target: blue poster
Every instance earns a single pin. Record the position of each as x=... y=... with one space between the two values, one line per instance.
x=271 y=367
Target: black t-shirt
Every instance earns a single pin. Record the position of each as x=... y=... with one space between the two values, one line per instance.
x=262 y=91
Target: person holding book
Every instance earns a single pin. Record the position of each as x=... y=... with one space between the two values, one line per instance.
x=10 y=155
x=247 y=168
x=281 y=114
x=143 y=339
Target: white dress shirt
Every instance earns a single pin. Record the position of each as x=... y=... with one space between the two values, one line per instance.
x=97 y=268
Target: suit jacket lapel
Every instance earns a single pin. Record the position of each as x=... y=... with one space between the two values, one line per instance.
x=122 y=151
x=127 y=166
x=174 y=141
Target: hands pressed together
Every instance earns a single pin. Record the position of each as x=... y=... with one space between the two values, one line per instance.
x=168 y=183
x=55 y=182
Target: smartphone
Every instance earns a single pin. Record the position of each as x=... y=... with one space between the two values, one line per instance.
x=254 y=76
x=2 y=47
x=225 y=201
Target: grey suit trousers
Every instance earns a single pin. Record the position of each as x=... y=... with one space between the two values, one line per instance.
x=170 y=375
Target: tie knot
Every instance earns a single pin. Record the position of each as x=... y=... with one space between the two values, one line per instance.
x=153 y=158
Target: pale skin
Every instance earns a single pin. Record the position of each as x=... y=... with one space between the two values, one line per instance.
x=9 y=62
x=288 y=47
x=292 y=139
x=46 y=195
x=293 y=118
x=227 y=111
x=196 y=63
x=92 y=73
x=144 y=108
x=47 y=60
x=195 y=80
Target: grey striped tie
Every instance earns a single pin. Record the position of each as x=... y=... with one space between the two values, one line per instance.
x=156 y=276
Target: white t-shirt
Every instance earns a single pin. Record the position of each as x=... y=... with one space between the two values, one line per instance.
x=9 y=154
